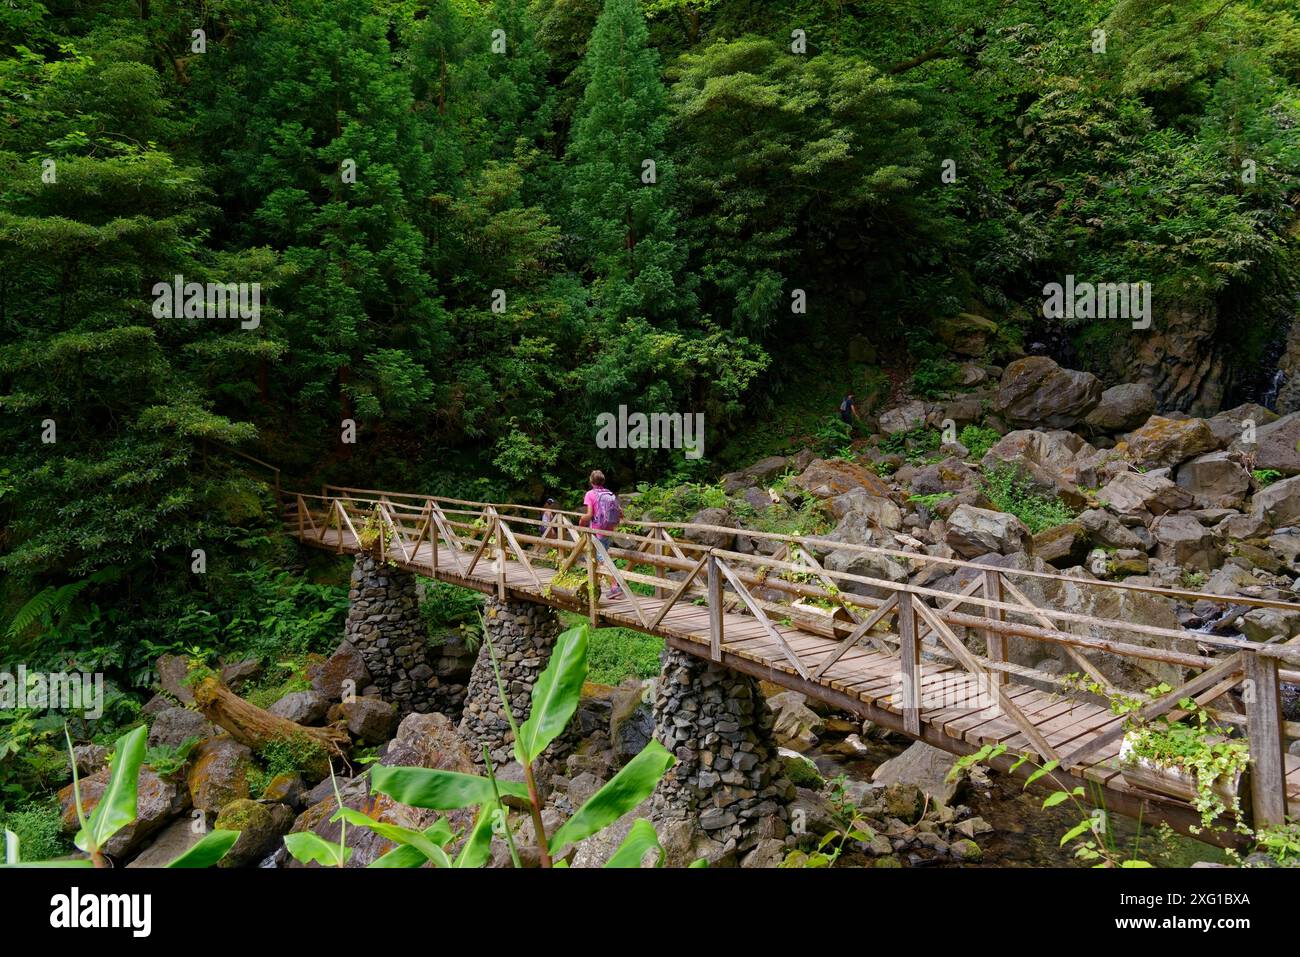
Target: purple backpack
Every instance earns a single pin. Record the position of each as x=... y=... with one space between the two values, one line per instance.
x=607 y=513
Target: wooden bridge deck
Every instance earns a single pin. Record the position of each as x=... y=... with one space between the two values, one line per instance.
x=958 y=708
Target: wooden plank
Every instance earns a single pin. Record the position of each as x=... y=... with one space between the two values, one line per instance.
x=970 y=664
x=1267 y=749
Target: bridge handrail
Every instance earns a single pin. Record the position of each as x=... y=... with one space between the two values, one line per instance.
x=920 y=557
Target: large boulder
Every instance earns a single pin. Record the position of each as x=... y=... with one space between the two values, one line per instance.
x=173 y=671
x=795 y=726
x=1063 y=546
x=760 y=473
x=977 y=531
x=1278 y=504
x=259 y=827
x=716 y=537
x=1166 y=442
x=904 y=418
x=950 y=475
x=1122 y=407
x=875 y=509
x=175 y=726
x=1216 y=480
x=1183 y=540
x=219 y=774
x=1055 y=462
x=343 y=670
x=1231 y=425
x=1037 y=393
x=869 y=565
x=1106 y=530
x=1136 y=492
x=369 y=719
x=967 y=334
x=301 y=707
x=158 y=800
x=1276 y=445
x=827 y=478
x=924 y=767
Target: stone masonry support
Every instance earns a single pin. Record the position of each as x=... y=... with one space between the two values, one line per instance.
x=728 y=780
x=385 y=626
x=523 y=635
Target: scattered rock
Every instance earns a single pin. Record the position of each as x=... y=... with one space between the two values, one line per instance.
x=1122 y=408
x=175 y=726
x=977 y=531
x=343 y=670
x=925 y=767
x=219 y=774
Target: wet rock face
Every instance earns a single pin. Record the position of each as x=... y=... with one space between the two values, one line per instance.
x=385 y=627
x=523 y=635
x=1179 y=358
x=727 y=788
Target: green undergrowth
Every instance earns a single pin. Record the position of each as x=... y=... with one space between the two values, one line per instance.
x=1011 y=492
x=616 y=654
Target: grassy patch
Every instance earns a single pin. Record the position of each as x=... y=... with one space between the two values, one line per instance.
x=616 y=654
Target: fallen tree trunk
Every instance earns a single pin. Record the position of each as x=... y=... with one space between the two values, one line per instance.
x=254 y=727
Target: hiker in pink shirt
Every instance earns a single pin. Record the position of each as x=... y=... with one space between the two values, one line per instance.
x=603 y=513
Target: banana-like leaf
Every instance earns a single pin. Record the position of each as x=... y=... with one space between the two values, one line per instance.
x=623 y=792
x=205 y=852
x=478 y=846
x=633 y=850
x=116 y=807
x=398 y=835
x=306 y=847
x=405 y=856
x=555 y=696
x=439 y=790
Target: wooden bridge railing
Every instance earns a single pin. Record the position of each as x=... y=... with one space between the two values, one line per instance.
x=783 y=585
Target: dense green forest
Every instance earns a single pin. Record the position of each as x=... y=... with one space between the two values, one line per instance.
x=475 y=226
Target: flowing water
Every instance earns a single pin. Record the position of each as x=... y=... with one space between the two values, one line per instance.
x=1024 y=834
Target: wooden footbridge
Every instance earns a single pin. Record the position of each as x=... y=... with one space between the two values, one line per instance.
x=932 y=664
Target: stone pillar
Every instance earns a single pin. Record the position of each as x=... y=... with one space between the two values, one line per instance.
x=727 y=786
x=523 y=635
x=385 y=626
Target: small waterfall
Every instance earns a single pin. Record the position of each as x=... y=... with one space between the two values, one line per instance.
x=1269 y=398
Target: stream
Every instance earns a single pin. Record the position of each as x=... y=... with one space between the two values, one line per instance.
x=1024 y=835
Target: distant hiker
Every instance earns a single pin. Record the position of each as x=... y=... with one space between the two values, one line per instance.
x=848 y=410
x=603 y=512
x=550 y=520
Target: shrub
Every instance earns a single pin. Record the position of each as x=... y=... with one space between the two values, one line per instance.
x=40 y=831
x=1009 y=491
x=616 y=654
x=978 y=440
x=1265 y=477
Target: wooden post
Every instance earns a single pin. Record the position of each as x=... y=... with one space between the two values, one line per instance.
x=715 y=610
x=909 y=650
x=660 y=547
x=996 y=643
x=593 y=583
x=1264 y=726
x=501 y=556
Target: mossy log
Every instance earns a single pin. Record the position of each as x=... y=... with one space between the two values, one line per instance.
x=250 y=725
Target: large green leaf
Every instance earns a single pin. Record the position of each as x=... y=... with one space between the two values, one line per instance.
x=306 y=847
x=116 y=807
x=422 y=841
x=633 y=850
x=623 y=792
x=478 y=846
x=405 y=856
x=211 y=848
x=555 y=695
x=439 y=790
